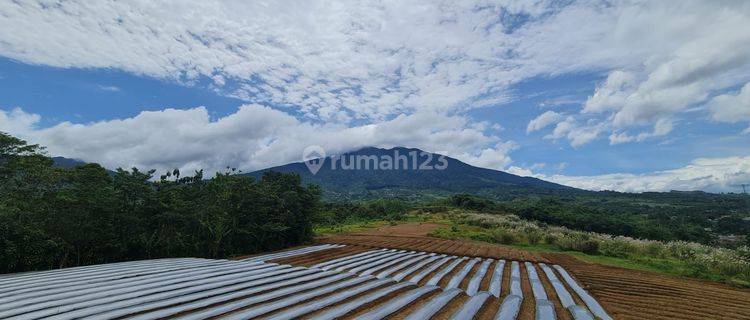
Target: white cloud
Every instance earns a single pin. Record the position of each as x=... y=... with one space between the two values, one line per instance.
x=611 y=94
x=394 y=73
x=496 y=157
x=17 y=121
x=254 y=137
x=543 y=120
x=662 y=60
x=109 y=88
x=662 y=127
x=732 y=108
x=577 y=134
x=708 y=174
x=372 y=60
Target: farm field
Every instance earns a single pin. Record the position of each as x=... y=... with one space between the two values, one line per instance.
x=339 y=282
x=624 y=293
x=390 y=272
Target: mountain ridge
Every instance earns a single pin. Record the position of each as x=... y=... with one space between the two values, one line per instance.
x=344 y=176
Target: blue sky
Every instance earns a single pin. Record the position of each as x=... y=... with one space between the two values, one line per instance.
x=631 y=96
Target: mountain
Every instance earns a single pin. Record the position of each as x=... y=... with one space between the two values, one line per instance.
x=353 y=176
x=66 y=163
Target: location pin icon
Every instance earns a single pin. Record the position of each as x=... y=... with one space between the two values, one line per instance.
x=314 y=157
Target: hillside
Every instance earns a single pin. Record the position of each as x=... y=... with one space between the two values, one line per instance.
x=407 y=183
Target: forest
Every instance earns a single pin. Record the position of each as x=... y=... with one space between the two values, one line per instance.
x=53 y=217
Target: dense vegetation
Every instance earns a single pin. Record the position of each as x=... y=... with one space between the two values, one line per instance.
x=702 y=217
x=54 y=217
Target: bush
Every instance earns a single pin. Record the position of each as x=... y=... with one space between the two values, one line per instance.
x=503 y=237
x=616 y=248
x=578 y=243
x=550 y=238
x=589 y=247
x=654 y=248
x=533 y=237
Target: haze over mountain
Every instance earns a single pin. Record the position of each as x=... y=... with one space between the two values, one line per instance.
x=353 y=176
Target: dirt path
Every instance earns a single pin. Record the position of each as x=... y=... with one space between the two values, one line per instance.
x=418 y=229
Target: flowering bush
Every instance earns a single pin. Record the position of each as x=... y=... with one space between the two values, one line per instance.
x=702 y=260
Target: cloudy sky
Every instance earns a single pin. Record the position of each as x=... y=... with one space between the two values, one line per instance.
x=623 y=95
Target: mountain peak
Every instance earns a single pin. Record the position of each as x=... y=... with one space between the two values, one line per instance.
x=373 y=172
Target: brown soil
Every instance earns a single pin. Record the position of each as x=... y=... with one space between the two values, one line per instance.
x=419 y=229
x=631 y=294
x=430 y=244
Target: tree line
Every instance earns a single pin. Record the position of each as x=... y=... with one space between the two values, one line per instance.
x=53 y=217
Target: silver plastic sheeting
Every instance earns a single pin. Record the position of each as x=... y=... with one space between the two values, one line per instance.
x=292 y=253
x=419 y=276
x=432 y=307
x=167 y=307
x=201 y=288
x=239 y=304
x=591 y=303
x=471 y=307
x=293 y=299
x=443 y=272
x=496 y=283
x=403 y=274
x=83 y=284
x=580 y=313
x=410 y=261
x=297 y=311
x=536 y=284
x=343 y=309
x=99 y=306
x=510 y=308
x=476 y=280
x=11 y=287
x=369 y=261
x=515 y=279
x=384 y=265
x=458 y=277
x=566 y=299
x=43 y=276
x=47 y=306
x=395 y=304
x=545 y=310
x=353 y=257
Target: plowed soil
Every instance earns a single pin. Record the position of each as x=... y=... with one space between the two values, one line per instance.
x=631 y=294
x=413 y=236
x=624 y=293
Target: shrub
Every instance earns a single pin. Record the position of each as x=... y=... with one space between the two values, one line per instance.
x=654 y=248
x=550 y=238
x=533 y=237
x=616 y=248
x=503 y=237
x=589 y=246
x=579 y=243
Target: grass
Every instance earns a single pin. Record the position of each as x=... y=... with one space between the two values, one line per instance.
x=663 y=265
x=348 y=227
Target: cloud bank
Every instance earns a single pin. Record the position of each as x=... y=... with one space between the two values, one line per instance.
x=252 y=138
x=348 y=75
